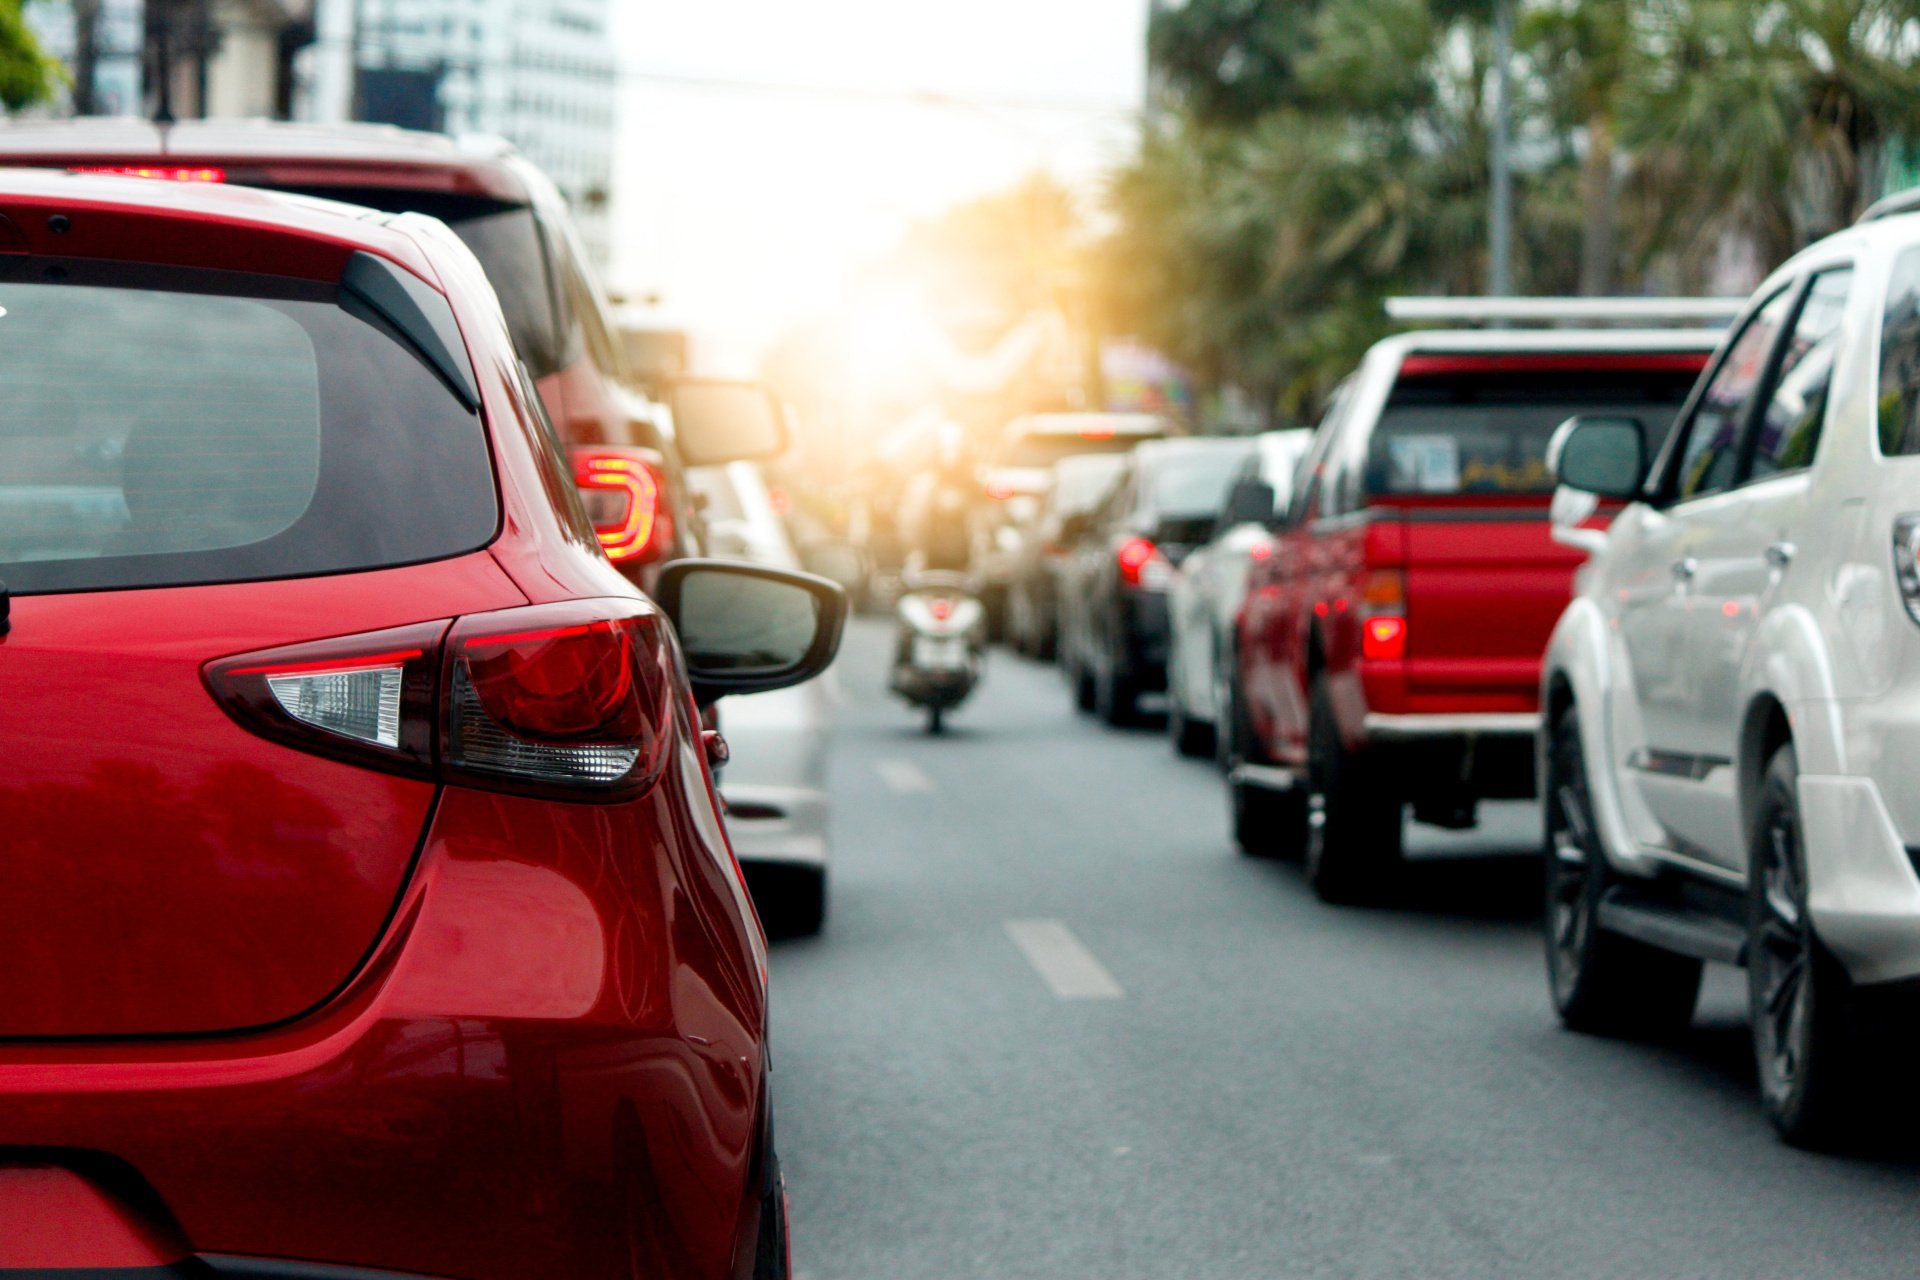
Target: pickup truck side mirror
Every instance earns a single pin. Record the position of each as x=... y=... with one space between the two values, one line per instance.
x=746 y=628
x=1606 y=457
x=716 y=421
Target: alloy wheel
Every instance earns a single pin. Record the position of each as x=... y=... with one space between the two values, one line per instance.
x=1571 y=885
x=1782 y=958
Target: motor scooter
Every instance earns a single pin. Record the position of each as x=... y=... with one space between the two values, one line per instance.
x=939 y=643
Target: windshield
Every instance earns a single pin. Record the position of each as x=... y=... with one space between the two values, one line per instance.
x=1187 y=485
x=212 y=428
x=1481 y=436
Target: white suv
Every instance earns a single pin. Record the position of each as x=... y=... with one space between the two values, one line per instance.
x=1731 y=748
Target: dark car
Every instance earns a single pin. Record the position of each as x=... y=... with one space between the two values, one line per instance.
x=1076 y=487
x=627 y=452
x=1113 y=601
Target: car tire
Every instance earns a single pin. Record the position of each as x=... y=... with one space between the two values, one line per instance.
x=773 y=1253
x=1116 y=697
x=791 y=900
x=1079 y=680
x=1266 y=823
x=1356 y=820
x=1190 y=737
x=1810 y=1032
x=1601 y=982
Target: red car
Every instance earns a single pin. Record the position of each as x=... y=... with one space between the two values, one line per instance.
x=1390 y=649
x=627 y=453
x=366 y=908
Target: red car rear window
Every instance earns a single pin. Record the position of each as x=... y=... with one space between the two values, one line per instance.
x=1465 y=426
x=165 y=427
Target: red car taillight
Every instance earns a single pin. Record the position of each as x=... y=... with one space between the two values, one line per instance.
x=1383 y=616
x=568 y=695
x=164 y=172
x=1134 y=555
x=625 y=493
x=572 y=699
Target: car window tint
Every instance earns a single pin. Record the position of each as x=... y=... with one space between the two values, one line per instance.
x=506 y=239
x=1485 y=433
x=218 y=427
x=1710 y=459
x=589 y=314
x=1789 y=430
x=1899 y=399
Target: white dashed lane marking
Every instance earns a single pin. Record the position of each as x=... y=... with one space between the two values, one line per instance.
x=1063 y=961
x=902 y=777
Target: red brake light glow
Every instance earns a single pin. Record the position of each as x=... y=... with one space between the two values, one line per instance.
x=561 y=696
x=165 y=172
x=1384 y=639
x=1134 y=556
x=625 y=499
x=573 y=700
x=1096 y=431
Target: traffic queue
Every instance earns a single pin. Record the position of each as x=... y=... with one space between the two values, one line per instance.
x=1654 y=563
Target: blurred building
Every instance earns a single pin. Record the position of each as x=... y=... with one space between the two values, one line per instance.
x=183 y=58
x=541 y=73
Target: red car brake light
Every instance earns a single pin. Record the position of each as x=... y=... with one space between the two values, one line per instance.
x=1134 y=555
x=573 y=700
x=368 y=698
x=625 y=494
x=1383 y=616
x=165 y=172
x=564 y=696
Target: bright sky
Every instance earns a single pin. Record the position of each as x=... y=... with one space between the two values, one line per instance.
x=750 y=208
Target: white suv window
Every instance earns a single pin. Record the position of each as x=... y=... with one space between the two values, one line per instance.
x=1711 y=457
x=1789 y=430
x=1900 y=360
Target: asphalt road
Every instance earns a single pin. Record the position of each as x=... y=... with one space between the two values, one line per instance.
x=1237 y=1082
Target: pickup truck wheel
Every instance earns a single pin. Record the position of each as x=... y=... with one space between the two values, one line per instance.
x=1355 y=816
x=1808 y=1032
x=1601 y=982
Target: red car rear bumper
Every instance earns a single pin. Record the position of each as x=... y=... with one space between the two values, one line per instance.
x=546 y=1067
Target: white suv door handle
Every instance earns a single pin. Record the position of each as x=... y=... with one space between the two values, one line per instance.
x=1781 y=554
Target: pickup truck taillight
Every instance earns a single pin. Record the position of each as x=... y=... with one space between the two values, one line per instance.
x=1383 y=616
x=625 y=494
x=573 y=700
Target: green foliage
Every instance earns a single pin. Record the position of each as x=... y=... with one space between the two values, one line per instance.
x=1313 y=156
x=27 y=74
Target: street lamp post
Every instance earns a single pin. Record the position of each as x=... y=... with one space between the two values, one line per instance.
x=1500 y=215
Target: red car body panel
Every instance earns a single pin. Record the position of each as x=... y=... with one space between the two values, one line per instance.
x=459 y=1033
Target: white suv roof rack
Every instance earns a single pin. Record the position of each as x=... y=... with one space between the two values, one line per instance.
x=1579 y=312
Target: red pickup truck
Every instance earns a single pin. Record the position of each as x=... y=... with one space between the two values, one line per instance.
x=1389 y=650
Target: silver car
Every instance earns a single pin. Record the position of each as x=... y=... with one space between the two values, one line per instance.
x=775 y=785
x=1210 y=586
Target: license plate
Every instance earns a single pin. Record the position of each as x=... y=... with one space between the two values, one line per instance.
x=940 y=653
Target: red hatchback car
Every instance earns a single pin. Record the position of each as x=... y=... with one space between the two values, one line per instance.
x=366 y=907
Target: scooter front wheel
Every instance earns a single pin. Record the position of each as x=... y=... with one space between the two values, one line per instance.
x=936 y=719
